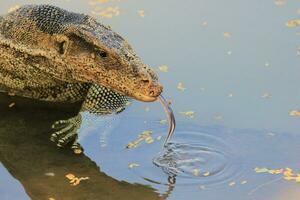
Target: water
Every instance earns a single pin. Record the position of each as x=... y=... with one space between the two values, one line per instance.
x=241 y=89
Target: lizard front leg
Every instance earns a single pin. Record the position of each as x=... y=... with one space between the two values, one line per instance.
x=99 y=100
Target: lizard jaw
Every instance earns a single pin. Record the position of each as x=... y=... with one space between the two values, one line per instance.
x=144 y=98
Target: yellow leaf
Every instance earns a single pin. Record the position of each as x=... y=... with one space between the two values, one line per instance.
x=181 y=87
x=196 y=172
x=206 y=174
x=133 y=165
x=190 y=114
x=226 y=35
x=163 y=68
x=293 y=23
x=141 y=13
x=70 y=176
x=163 y=121
x=294 y=113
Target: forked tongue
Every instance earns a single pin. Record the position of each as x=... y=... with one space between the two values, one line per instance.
x=171 y=119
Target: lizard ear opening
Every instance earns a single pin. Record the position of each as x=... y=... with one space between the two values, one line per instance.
x=62 y=45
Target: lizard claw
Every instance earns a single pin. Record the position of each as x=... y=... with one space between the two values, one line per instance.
x=67 y=133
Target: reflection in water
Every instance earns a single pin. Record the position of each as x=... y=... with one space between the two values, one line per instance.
x=194 y=157
x=29 y=156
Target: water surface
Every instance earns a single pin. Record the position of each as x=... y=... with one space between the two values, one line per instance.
x=239 y=64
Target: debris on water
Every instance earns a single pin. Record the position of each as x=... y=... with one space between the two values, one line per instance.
x=231 y=184
x=171 y=118
x=108 y=12
x=244 y=182
x=141 y=13
x=279 y=2
x=181 y=87
x=147 y=109
x=149 y=140
x=287 y=173
x=294 y=113
x=94 y=2
x=293 y=23
x=206 y=174
x=230 y=95
x=51 y=174
x=75 y=180
x=266 y=95
x=204 y=24
x=196 y=172
x=218 y=117
x=267 y=64
x=163 y=68
x=144 y=136
x=11 y=104
x=226 y=35
x=190 y=114
x=163 y=121
x=133 y=165
x=202 y=187
x=77 y=151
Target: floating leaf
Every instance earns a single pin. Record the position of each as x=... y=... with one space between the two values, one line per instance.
x=149 y=140
x=231 y=184
x=279 y=2
x=49 y=174
x=294 y=113
x=107 y=12
x=180 y=87
x=145 y=135
x=133 y=165
x=205 y=23
x=293 y=23
x=11 y=104
x=226 y=34
x=267 y=64
x=163 y=68
x=196 y=172
x=141 y=13
x=75 y=180
x=163 y=121
x=206 y=174
x=261 y=170
x=266 y=95
x=190 y=114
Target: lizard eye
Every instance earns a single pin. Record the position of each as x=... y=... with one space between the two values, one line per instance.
x=102 y=54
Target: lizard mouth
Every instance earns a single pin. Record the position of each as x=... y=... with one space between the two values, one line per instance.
x=145 y=98
x=149 y=95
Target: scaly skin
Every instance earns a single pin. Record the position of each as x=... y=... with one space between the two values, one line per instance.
x=50 y=54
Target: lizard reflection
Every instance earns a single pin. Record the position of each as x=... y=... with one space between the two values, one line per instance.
x=28 y=155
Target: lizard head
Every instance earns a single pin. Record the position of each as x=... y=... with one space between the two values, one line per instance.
x=81 y=49
x=103 y=57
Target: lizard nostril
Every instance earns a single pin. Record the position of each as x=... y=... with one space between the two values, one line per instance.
x=147 y=82
x=151 y=93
